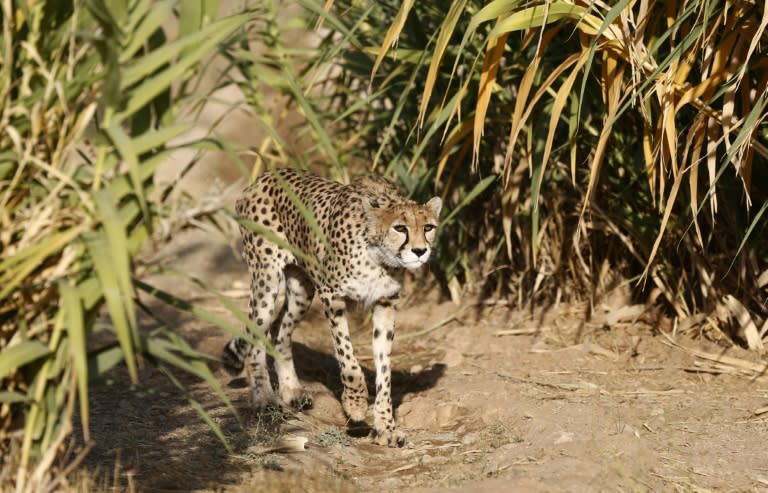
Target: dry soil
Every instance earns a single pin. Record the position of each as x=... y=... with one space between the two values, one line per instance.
x=494 y=400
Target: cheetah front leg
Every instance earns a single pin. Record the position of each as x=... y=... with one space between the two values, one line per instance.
x=384 y=429
x=354 y=398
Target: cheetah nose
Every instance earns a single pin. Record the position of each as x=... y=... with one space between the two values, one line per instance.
x=419 y=251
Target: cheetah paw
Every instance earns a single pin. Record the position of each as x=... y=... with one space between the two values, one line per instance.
x=389 y=438
x=297 y=398
x=264 y=402
x=356 y=407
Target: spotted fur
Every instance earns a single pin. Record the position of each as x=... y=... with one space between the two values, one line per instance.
x=371 y=233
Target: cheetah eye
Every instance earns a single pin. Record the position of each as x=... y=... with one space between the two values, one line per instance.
x=400 y=228
x=428 y=228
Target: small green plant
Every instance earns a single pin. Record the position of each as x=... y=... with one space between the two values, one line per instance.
x=332 y=437
x=497 y=435
x=269 y=461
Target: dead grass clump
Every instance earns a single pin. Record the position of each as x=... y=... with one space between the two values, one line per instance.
x=263 y=429
x=570 y=141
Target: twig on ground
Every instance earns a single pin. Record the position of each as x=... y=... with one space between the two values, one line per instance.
x=516 y=332
x=588 y=347
x=726 y=363
x=436 y=326
x=656 y=392
x=404 y=468
x=760 y=410
x=542 y=383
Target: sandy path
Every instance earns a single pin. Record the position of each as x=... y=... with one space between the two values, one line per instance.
x=566 y=406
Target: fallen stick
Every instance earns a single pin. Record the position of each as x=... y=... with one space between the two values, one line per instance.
x=759 y=369
x=515 y=332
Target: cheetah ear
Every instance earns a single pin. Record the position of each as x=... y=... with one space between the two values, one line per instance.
x=370 y=206
x=372 y=210
x=435 y=203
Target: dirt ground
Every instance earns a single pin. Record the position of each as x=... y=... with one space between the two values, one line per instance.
x=493 y=400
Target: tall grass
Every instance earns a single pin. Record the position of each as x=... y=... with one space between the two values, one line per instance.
x=91 y=94
x=570 y=138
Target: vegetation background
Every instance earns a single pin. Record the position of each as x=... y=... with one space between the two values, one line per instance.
x=577 y=146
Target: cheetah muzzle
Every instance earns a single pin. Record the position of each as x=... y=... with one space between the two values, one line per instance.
x=370 y=233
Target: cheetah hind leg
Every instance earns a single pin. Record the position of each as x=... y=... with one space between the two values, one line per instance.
x=265 y=284
x=299 y=292
x=233 y=356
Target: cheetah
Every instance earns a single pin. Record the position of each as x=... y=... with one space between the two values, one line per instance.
x=369 y=233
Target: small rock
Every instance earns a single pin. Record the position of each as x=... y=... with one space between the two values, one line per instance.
x=628 y=429
x=471 y=437
x=452 y=357
x=565 y=437
x=446 y=413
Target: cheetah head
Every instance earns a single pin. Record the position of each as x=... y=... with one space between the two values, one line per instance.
x=402 y=234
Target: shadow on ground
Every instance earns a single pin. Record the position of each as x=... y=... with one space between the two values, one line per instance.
x=318 y=366
x=152 y=437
